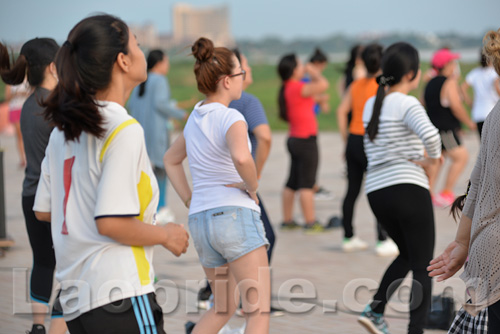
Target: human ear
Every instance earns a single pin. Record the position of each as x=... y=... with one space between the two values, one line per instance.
x=123 y=62
x=226 y=82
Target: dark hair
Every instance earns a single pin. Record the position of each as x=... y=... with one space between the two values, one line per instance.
x=286 y=66
x=398 y=60
x=458 y=204
x=237 y=53
x=372 y=56
x=35 y=56
x=484 y=60
x=154 y=57
x=353 y=55
x=84 y=66
x=318 y=57
x=211 y=64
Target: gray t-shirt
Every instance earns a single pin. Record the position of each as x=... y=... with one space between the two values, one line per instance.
x=36 y=132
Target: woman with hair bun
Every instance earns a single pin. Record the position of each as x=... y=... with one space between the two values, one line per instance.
x=398 y=133
x=37 y=60
x=97 y=187
x=224 y=215
x=478 y=234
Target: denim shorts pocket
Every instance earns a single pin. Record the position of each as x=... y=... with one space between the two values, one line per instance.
x=228 y=227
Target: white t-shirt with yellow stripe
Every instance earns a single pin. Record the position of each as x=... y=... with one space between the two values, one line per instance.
x=91 y=178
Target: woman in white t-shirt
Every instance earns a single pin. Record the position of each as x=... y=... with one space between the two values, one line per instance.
x=224 y=216
x=97 y=187
x=486 y=85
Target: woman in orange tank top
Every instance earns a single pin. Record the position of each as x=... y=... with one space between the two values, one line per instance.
x=354 y=99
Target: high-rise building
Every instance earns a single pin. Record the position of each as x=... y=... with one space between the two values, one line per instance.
x=190 y=23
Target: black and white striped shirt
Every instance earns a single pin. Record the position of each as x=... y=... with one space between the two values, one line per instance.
x=404 y=133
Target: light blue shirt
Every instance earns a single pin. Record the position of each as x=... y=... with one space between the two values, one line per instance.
x=153 y=110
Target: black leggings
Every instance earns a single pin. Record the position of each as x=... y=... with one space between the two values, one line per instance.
x=271 y=237
x=494 y=318
x=405 y=211
x=356 y=167
x=44 y=260
x=480 y=128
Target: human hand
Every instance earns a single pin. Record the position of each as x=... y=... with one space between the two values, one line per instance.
x=242 y=186
x=177 y=238
x=449 y=262
x=312 y=70
x=427 y=162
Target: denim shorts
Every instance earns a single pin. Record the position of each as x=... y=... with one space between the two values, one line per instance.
x=224 y=234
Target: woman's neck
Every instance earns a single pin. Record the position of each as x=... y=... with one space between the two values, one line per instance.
x=217 y=98
x=401 y=87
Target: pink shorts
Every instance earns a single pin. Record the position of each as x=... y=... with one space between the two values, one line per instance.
x=14 y=116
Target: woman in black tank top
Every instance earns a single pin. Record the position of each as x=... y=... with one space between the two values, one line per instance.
x=446 y=111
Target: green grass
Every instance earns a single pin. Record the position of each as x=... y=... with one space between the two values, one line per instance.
x=265 y=87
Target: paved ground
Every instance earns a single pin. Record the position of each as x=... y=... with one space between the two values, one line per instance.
x=315 y=263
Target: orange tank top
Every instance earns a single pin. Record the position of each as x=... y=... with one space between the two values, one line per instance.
x=361 y=91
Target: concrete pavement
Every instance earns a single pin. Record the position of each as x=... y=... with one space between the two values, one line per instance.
x=330 y=286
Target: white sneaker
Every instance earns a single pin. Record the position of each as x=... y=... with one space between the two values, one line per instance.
x=386 y=248
x=353 y=244
x=164 y=216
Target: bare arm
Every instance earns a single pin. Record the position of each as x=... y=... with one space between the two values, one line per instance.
x=318 y=84
x=497 y=85
x=133 y=232
x=451 y=91
x=263 y=135
x=173 y=165
x=464 y=88
x=8 y=93
x=342 y=112
x=236 y=138
x=43 y=216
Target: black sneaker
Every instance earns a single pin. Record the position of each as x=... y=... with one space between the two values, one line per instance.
x=37 y=329
x=189 y=327
x=204 y=297
x=289 y=225
x=323 y=195
x=334 y=222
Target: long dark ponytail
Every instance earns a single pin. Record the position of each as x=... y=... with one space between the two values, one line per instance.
x=35 y=56
x=286 y=66
x=398 y=60
x=84 y=66
x=154 y=57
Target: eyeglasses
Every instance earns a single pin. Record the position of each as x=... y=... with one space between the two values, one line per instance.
x=243 y=73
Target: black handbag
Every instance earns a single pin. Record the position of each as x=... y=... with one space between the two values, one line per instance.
x=441 y=313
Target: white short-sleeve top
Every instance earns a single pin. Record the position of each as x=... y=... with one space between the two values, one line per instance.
x=210 y=161
x=86 y=179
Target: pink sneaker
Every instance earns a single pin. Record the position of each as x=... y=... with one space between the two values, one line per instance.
x=443 y=200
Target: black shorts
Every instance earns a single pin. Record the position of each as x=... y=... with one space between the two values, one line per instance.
x=304 y=165
x=135 y=315
x=449 y=139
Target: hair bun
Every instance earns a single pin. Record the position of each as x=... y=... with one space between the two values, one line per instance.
x=203 y=49
x=491 y=48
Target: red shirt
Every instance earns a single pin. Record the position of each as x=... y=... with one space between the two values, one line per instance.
x=300 y=111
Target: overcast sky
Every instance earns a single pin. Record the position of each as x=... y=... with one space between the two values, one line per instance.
x=24 y=19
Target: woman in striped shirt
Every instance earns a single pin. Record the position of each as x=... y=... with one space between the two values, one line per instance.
x=398 y=133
